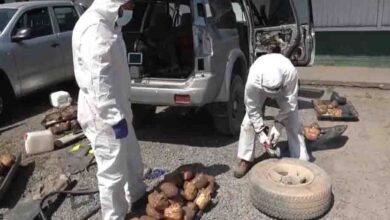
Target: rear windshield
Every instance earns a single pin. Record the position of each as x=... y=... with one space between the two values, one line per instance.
x=5 y=17
x=147 y=12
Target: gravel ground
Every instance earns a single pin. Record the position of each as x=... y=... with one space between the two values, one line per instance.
x=358 y=162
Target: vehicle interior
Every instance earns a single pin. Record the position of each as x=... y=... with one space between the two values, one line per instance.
x=161 y=31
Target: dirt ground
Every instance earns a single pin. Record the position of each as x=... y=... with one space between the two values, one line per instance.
x=358 y=162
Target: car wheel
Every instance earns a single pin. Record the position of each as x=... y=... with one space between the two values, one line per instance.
x=230 y=122
x=290 y=189
x=6 y=101
x=142 y=113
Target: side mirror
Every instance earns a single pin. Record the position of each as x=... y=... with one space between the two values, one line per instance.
x=21 y=34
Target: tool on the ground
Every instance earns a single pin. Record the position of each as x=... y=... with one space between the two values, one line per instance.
x=29 y=209
x=4 y=185
x=73 y=193
x=68 y=139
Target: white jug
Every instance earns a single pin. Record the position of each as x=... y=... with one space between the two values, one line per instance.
x=60 y=99
x=38 y=142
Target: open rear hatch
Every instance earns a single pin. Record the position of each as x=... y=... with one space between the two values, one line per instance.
x=159 y=40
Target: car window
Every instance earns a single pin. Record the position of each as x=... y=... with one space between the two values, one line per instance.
x=36 y=19
x=176 y=12
x=138 y=14
x=223 y=14
x=5 y=17
x=238 y=12
x=273 y=12
x=66 y=17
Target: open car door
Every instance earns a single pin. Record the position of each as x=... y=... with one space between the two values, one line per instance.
x=305 y=52
x=278 y=21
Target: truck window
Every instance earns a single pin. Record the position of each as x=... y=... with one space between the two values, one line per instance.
x=176 y=12
x=139 y=12
x=223 y=14
x=36 y=19
x=66 y=17
x=5 y=17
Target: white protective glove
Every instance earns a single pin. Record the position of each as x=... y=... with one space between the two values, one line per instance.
x=263 y=138
x=274 y=134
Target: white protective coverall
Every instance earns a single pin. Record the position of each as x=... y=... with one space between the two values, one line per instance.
x=104 y=112
x=269 y=72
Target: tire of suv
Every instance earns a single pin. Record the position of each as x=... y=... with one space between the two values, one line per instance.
x=230 y=123
x=290 y=189
x=142 y=113
x=6 y=101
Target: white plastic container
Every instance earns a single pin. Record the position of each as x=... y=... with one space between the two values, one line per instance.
x=60 y=99
x=38 y=142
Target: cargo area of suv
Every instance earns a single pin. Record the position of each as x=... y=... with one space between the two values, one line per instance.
x=159 y=40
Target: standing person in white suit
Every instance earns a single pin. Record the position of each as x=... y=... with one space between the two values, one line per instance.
x=104 y=112
x=270 y=76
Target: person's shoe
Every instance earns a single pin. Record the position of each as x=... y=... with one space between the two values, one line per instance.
x=241 y=168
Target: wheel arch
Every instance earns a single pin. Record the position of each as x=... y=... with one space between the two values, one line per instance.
x=236 y=64
x=5 y=81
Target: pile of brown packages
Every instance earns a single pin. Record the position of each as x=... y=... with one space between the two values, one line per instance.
x=6 y=162
x=62 y=121
x=312 y=132
x=181 y=196
x=331 y=109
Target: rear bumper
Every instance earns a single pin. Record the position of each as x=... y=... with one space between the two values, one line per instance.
x=200 y=88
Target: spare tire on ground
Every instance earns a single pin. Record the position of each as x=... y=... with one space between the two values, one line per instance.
x=290 y=189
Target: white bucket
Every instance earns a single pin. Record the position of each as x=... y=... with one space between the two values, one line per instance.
x=38 y=142
x=60 y=99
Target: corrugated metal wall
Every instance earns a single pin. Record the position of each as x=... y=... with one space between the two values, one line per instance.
x=351 y=15
x=386 y=13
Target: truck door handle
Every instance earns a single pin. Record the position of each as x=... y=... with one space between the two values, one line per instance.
x=55 y=44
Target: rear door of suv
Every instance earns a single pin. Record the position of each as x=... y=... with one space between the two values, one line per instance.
x=279 y=21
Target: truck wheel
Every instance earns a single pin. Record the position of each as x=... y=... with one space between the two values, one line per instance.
x=230 y=123
x=290 y=189
x=6 y=102
x=142 y=113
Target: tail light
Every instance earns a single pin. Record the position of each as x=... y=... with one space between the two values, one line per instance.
x=182 y=99
x=186 y=42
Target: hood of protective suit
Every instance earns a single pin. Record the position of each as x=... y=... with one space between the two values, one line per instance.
x=107 y=9
x=272 y=81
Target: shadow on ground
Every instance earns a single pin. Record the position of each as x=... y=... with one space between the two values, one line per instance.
x=37 y=103
x=193 y=129
x=18 y=187
x=332 y=144
x=335 y=143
